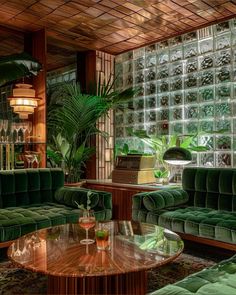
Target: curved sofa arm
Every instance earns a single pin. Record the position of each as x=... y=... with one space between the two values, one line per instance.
x=157 y=200
x=70 y=195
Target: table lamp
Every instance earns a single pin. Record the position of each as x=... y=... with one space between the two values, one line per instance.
x=177 y=156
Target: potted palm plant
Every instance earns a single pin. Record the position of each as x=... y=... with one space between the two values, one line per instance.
x=72 y=123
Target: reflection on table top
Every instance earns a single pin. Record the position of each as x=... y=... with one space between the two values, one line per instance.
x=133 y=247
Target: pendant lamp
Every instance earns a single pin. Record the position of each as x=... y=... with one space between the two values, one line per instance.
x=23 y=100
x=177 y=156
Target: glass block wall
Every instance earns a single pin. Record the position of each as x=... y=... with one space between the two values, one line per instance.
x=187 y=86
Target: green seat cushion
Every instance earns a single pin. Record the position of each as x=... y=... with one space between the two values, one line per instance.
x=203 y=222
x=164 y=199
x=17 y=221
x=219 y=279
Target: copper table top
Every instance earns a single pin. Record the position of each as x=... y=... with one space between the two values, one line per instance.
x=57 y=250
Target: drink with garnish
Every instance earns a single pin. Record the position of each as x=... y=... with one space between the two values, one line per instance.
x=87 y=220
x=102 y=234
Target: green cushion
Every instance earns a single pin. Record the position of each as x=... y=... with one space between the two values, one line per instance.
x=164 y=199
x=27 y=201
x=29 y=186
x=16 y=221
x=45 y=179
x=57 y=178
x=33 y=180
x=70 y=195
x=219 y=279
x=171 y=290
x=7 y=189
x=203 y=222
x=21 y=181
x=200 y=180
x=211 y=187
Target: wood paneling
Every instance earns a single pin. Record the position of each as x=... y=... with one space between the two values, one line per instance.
x=39 y=126
x=124 y=284
x=111 y=26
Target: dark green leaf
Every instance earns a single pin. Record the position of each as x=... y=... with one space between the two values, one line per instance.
x=15 y=66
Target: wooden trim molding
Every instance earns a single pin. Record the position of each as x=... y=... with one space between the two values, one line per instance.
x=208 y=242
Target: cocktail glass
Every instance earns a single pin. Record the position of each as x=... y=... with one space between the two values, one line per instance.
x=30 y=128
x=5 y=127
x=87 y=221
x=24 y=129
x=102 y=234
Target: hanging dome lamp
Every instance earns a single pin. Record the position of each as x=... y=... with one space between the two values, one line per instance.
x=177 y=156
x=23 y=100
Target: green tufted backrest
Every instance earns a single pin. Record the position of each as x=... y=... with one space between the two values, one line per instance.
x=29 y=186
x=211 y=187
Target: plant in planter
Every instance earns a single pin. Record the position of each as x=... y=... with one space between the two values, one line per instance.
x=161 y=175
x=124 y=150
x=72 y=124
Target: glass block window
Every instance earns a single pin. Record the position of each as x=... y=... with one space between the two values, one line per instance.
x=187 y=86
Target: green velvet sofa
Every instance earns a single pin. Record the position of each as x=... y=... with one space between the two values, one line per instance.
x=219 y=279
x=204 y=210
x=32 y=199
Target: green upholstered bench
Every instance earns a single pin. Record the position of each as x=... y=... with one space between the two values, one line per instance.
x=31 y=199
x=219 y=279
x=205 y=208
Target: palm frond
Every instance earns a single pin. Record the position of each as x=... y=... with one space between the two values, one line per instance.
x=15 y=66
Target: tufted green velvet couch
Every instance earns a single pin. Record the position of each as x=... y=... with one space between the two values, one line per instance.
x=203 y=210
x=31 y=199
x=219 y=279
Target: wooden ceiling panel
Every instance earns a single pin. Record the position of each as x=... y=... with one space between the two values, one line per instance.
x=53 y=4
x=108 y=3
x=113 y=26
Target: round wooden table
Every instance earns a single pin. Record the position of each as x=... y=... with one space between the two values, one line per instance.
x=73 y=268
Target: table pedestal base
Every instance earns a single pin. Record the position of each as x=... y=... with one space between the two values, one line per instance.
x=130 y=283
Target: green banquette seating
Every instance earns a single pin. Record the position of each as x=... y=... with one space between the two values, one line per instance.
x=205 y=207
x=219 y=279
x=32 y=199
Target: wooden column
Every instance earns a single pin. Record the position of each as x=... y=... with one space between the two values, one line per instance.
x=35 y=44
x=86 y=76
x=86 y=70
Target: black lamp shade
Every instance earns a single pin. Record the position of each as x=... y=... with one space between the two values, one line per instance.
x=177 y=156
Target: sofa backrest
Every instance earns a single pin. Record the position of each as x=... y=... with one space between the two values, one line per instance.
x=211 y=187
x=29 y=186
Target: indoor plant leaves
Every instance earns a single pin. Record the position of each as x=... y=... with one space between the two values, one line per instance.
x=15 y=66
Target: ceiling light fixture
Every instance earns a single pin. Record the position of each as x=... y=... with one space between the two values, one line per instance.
x=177 y=156
x=23 y=100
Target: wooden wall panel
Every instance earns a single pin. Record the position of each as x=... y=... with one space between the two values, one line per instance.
x=121 y=197
x=35 y=43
